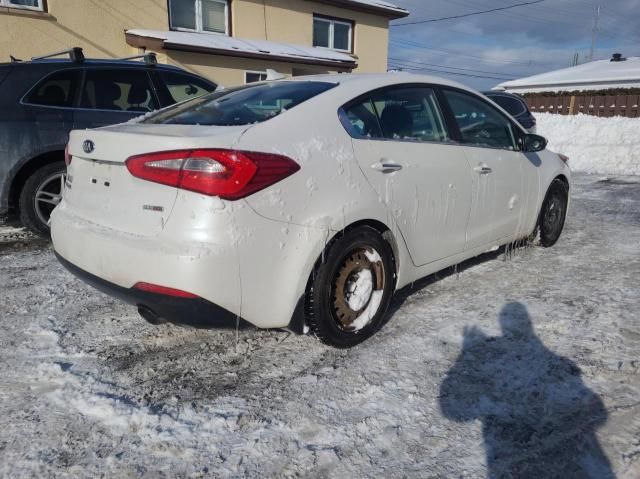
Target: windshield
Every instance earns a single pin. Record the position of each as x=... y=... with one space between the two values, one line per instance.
x=243 y=105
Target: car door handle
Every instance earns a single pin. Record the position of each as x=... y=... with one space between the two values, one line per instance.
x=482 y=169
x=386 y=166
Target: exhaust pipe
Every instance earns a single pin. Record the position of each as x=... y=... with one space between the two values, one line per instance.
x=150 y=316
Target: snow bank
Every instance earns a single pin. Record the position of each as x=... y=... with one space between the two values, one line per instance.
x=609 y=146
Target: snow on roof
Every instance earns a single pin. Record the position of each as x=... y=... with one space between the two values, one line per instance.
x=398 y=12
x=592 y=75
x=223 y=44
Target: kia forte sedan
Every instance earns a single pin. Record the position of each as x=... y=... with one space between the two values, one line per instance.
x=302 y=203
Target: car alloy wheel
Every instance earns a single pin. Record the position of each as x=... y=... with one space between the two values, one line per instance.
x=48 y=196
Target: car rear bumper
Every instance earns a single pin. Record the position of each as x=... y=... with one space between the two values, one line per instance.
x=195 y=312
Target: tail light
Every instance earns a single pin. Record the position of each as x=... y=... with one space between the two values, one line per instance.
x=228 y=174
x=157 y=289
x=67 y=156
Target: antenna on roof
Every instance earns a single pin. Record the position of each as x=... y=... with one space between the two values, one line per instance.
x=75 y=54
x=149 y=58
x=14 y=59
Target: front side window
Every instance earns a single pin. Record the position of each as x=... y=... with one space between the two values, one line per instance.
x=183 y=87
x=403 y=113
x=58 y=89
x=332 y=33
x=244 y=105
x=479 y=123
x=199 y=15
x=27 y=4
x=118 y=90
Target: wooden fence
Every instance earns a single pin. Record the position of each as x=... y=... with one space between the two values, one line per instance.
x=610 y=105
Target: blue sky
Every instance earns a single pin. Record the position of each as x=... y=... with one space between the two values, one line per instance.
x=511 y=43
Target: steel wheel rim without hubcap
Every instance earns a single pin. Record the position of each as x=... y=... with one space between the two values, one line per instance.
x=553 y=214
x=344 y=284
x=48 y=196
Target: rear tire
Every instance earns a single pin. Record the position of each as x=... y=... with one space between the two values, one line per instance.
x=351 y=289
x=40 y=195
x=553 y=213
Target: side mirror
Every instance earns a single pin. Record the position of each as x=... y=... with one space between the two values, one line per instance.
x=534 y=143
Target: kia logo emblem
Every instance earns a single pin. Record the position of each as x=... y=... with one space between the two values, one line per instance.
x=88 y=146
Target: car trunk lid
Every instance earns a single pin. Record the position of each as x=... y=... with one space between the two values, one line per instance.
x=100 y=188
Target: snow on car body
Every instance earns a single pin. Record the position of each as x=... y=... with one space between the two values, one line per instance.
x=273 y=202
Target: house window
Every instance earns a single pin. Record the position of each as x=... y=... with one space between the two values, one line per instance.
x=252 y=77
x=199 y=15
x=332 y=33
x=27 y=4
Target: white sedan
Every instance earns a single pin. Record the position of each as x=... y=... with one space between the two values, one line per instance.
x=302 y=203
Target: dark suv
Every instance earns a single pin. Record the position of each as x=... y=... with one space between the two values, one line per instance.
x=516 y=106
x=43 y=99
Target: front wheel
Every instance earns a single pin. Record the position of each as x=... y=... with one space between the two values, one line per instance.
x=553 y=213
x=351 y=289
x=41 y=193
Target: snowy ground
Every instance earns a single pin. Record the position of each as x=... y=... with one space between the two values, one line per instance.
x=594 y=144
x=88 y=389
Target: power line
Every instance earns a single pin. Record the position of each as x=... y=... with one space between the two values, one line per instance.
x=420 y=63
x=434 y=70
x=467 y=14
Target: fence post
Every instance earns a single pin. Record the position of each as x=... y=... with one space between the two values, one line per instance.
x=572 y=105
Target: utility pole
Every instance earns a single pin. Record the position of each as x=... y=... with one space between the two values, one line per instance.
x=594 y=32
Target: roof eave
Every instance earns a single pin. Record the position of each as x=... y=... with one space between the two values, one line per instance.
x=382 y=11
x=155 y=43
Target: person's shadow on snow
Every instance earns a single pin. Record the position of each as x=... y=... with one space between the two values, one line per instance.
x=538 y=417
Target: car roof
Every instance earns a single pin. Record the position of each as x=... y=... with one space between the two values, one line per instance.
x=91 y=63
x=379 y=80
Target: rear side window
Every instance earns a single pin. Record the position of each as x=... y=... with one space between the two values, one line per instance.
x=242 y=106
x=403 y=113
x=58 y=89
x=118 y=90
x=511 y=105
x=184 y=87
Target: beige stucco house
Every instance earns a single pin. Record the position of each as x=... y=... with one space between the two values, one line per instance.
x=229 y=41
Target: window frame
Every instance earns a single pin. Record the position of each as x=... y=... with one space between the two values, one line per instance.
x=42 y=6
x=199 y=23
x=450 y=122
x=332 y=21
x=254 y=72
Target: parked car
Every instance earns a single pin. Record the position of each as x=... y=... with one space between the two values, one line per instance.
x=515 y=106
x=302 y=202
x=43 y=99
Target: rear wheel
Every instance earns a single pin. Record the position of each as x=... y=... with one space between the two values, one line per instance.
x=41 y=193
x=553 y=213
x=351 y=290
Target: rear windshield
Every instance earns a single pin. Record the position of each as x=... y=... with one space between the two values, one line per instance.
x=241 y=106
x=513 y=106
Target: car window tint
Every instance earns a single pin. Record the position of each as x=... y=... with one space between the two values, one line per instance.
x=119 y=90
x=511 y=105
x=360 y=120
x=479 y=123
x=244 y=105
x=410 y=113
x=185 y=87
x=57 y=89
